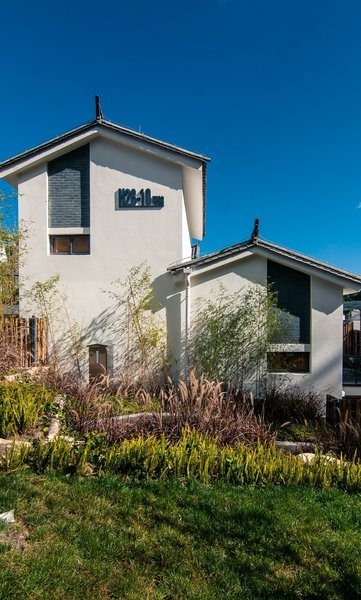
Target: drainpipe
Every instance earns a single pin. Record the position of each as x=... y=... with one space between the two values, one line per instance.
x=187 y=279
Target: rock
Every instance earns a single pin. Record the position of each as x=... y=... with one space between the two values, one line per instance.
x=8 y=517
x=11 y=378
x=295 y=447
x=5 y=445
x=59 y=400
x=309 y=457
x=54 y=429
x=306 y=457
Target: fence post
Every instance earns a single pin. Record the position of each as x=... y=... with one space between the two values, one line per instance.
x=33 y=348
x=332 y=411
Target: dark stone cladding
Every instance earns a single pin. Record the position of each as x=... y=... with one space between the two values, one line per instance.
x=69 y=189
x=293 y=290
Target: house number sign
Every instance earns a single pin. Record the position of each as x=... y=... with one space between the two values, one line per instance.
x=142 y=199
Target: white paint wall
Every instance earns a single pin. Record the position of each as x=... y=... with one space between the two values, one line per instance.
x=124 y=238
x=119 y=239
x=326 y=318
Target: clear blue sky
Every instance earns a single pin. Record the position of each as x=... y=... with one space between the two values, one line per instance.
x=270 y=90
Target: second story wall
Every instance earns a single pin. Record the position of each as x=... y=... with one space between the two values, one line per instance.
x=119 y=238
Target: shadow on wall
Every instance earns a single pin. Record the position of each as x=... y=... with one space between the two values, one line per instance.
x=108 y=329
x=168 y=296
x=112 y=328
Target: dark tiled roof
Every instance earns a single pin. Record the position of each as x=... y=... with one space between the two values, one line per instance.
x=258 y=243
x=102 y=124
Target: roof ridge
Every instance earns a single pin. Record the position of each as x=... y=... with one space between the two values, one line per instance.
x=230 y=250
x=100 y=123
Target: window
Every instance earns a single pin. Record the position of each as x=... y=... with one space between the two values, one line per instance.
x=293 y=291
x=69 y=244
x=288 y=362
x=98 y=362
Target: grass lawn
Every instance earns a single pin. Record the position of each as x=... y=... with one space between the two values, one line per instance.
x=103 y=538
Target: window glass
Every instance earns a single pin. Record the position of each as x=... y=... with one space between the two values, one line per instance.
x=293 y=291
x=289 y=362
x=61 y=244
x=70 y=244
x=80 y=244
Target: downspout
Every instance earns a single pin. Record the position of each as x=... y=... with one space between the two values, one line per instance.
x=187 y=279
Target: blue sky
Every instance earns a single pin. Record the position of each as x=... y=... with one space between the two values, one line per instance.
x=270 y=90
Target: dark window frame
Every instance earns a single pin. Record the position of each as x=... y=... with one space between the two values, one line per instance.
x=292 y=289
x=71 y=243
x=288 y=356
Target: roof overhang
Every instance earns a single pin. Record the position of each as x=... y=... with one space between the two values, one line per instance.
x=193 y=165
x=349 y=282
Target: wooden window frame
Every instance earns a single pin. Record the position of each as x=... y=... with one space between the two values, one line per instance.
x=71 y=242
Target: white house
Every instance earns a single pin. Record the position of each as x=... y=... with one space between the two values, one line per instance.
x=101 y=199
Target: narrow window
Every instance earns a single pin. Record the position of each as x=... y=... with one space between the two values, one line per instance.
x=293 y=291
x=69 y=189
x=98 y=362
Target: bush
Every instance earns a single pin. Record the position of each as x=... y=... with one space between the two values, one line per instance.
x=21 y=406
x=9 y=354
x=347 y=439
x=192 y=457
x=291 y=404
x=232 y=333
x=197 y=403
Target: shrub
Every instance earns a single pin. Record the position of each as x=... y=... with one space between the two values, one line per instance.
x=347 y=439
x=9 y=354
x=198 y=403
x=21 y=406
x=232 y=334
x=291 y=404
x=192 y=457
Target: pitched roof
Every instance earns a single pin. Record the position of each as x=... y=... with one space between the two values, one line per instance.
x=102 y=124
x=255 y=243
x=10 y=167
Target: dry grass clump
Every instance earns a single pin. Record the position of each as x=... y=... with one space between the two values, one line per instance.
x=347 y=439
x=198 y=403
x=9 y=355
x=291 y=404
x=95 y=406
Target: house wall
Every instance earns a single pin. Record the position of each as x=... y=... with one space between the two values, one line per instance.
x=325 y=348
x=119 y=239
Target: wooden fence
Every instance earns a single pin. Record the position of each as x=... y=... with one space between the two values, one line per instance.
x=27 y=338
x=351 y=339
x=343 y=410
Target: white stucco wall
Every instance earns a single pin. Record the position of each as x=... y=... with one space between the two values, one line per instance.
x=119 y=239
x=325 y=349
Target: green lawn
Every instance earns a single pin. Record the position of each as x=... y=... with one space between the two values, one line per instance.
x=103 y=538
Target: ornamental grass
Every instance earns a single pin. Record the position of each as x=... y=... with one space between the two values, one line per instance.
x=193 y=457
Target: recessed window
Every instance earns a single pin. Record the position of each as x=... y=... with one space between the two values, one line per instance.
x=288 y=362
x=69 y=244
x=98 y=362
x=293 y=292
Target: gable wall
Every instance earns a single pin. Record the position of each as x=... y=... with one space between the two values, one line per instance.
x=326 y=319
x=119 y=239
